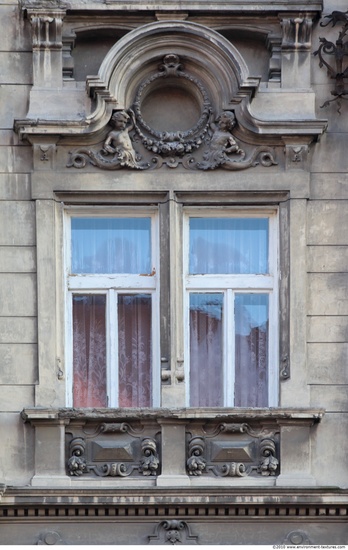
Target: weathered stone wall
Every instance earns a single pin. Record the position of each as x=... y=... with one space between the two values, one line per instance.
x=327 y=267
x=323 y=293
x=18 y=333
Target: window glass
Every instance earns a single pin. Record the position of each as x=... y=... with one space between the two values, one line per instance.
x=228 y=245
x=114 y=327
x=111 y=245
x=134 y=350
x=89 y=350
x=251 y=350
x=230 y=286
x=206 y=350
x=226 y=309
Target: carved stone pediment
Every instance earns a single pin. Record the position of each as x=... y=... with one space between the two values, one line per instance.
x=179 y=78
x=172 y=121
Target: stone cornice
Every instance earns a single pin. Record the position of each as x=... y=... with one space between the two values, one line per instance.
x=303 y=415
x=233 y=6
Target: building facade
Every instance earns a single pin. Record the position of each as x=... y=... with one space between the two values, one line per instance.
x=173 y=286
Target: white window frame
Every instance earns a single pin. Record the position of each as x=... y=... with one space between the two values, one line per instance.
x=111 y=285
x=229 y=285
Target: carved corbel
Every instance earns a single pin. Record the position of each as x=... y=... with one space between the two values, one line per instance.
x=296 y=50
x=296 y=156
x=297 y=31
x=46 y=19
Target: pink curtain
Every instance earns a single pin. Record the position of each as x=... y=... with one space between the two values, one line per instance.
x=89 y=351
x=206 y=366
x=134 y=344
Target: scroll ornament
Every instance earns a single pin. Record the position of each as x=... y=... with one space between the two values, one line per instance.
x=337 y=52
x=196 y=464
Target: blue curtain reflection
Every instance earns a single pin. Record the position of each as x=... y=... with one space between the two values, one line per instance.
x=111 y=245
x=228 y=245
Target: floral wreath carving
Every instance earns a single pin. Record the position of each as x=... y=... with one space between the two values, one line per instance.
x=172 y=143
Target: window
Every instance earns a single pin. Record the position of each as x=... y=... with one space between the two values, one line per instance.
x=112 y=298
x=231 y=305
x=230 y=300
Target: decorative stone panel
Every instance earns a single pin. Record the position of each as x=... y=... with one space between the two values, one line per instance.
x=233 y=450
x=115 y=449
x=174 y=447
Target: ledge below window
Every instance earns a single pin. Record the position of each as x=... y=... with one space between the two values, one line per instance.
x=172 y=447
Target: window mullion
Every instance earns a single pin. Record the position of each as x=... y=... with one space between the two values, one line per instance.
x=69 y=351
x=156 y=350
x=112 y=347
x=229 y=348
x=273 y=346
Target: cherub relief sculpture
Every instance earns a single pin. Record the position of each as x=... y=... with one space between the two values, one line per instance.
x=118 y=140
x=207 y=145
x=222 y=142
x=223 y=149
x=118 y=151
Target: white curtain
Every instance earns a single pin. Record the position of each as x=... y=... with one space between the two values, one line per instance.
x=134 y=345
x=111 y=245
x=228 y=245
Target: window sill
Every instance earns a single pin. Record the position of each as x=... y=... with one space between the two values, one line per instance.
x=172 y=447
x=190 y=413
